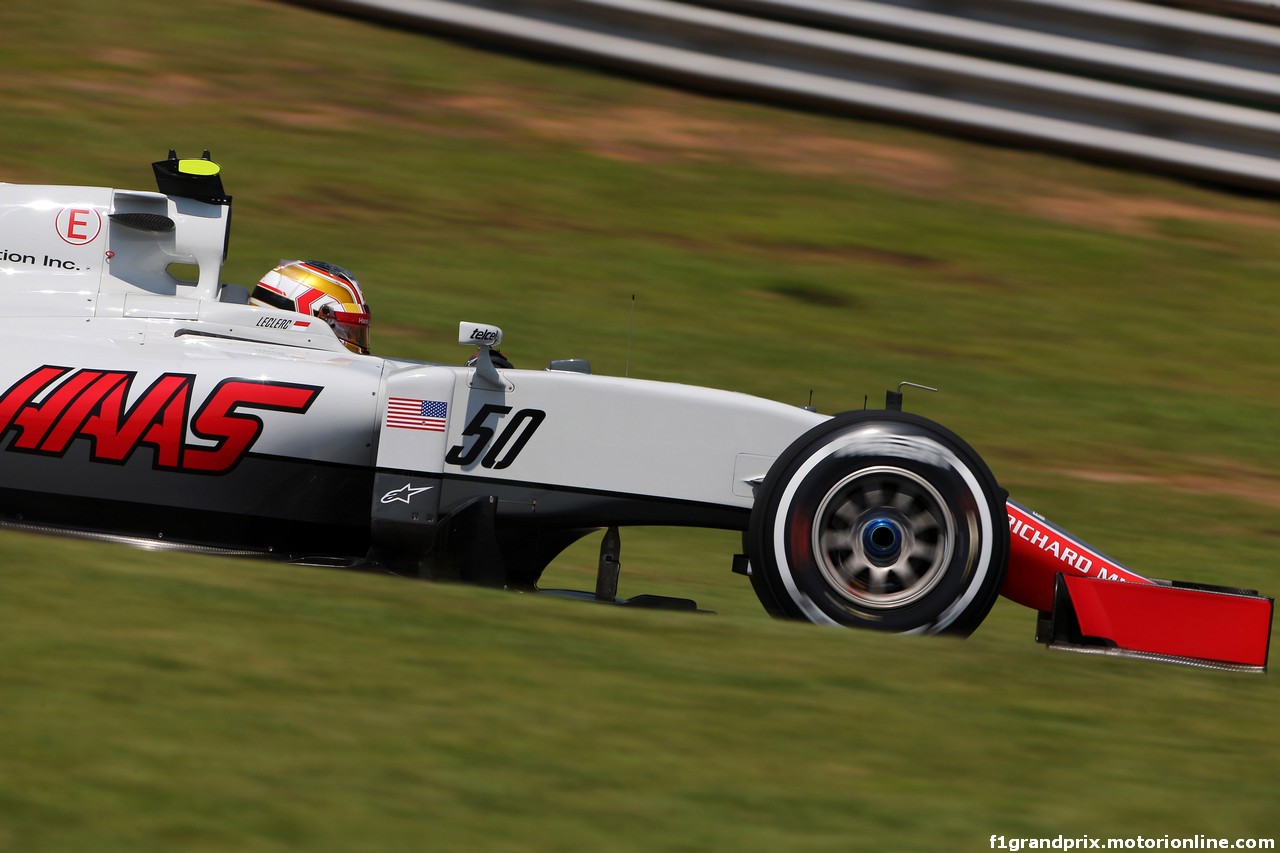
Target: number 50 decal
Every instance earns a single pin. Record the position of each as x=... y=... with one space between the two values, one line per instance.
x=515 y=434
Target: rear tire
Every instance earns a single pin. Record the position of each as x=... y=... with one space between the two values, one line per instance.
x=880 y=520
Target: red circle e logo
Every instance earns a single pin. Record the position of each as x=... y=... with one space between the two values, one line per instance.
x=79 y=225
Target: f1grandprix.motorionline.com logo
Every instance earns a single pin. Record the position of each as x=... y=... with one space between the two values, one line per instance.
x=93 y=404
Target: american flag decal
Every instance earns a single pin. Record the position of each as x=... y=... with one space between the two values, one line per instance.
x=408 y=413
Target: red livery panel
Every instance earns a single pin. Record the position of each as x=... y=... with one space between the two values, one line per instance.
x=1039 y=552
x=93 y=404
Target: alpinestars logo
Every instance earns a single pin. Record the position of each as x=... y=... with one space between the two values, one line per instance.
x=94 y=405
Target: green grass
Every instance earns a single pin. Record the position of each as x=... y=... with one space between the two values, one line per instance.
x=203 y=704
x=1107 y=340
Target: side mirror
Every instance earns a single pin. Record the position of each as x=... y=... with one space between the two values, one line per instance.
x=479 y=335
x=484 y=338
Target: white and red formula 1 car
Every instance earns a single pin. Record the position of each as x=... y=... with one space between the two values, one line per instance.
x=135 y=405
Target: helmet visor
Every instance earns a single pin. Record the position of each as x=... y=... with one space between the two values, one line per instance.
x=352 y=329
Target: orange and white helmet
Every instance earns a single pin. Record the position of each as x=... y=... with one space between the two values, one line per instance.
x=323 y=290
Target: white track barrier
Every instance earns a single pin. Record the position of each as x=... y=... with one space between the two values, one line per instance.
x=1208 y=120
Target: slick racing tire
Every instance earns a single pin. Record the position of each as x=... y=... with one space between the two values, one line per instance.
x=883 y=520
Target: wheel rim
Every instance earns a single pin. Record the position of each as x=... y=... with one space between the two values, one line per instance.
x=883 y=537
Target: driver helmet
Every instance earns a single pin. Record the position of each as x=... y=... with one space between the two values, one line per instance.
x=323 y=290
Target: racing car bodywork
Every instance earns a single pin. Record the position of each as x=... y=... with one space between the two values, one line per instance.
x=137 y=405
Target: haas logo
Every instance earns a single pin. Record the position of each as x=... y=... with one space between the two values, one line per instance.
x=92 y=404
